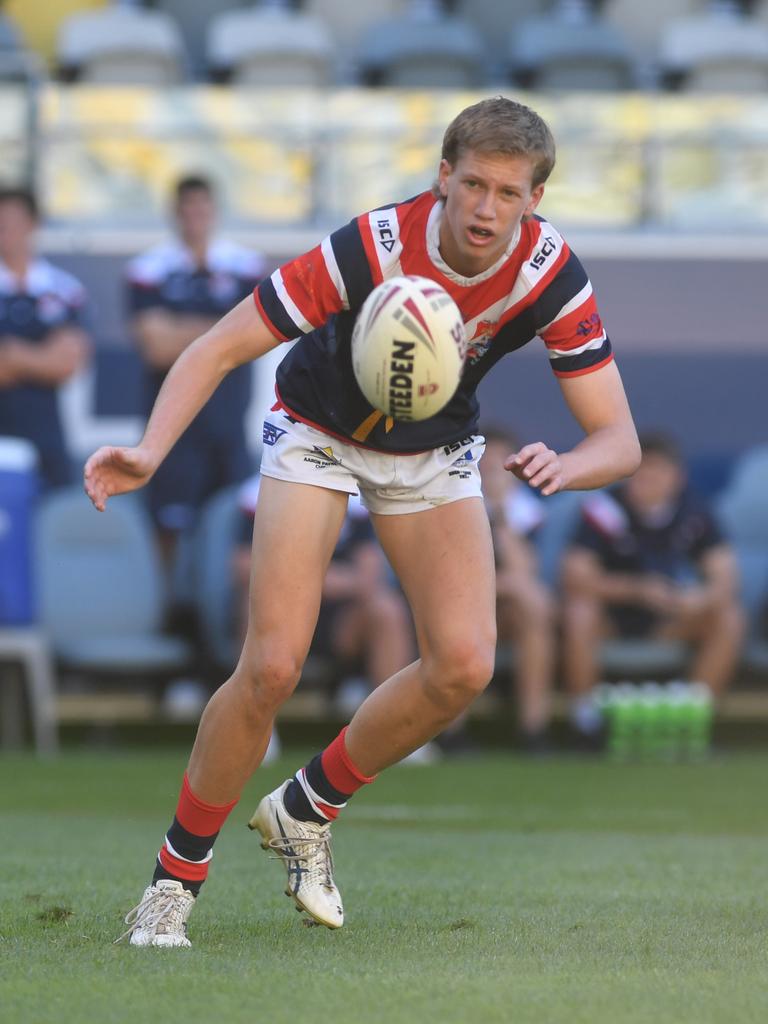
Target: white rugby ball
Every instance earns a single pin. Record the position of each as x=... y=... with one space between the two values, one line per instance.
x=408 y=348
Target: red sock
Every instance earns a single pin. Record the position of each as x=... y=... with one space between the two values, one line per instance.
x=186 y=853
x=340 y=770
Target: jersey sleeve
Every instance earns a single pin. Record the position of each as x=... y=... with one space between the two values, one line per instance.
x=301 y=295
x=568 y=322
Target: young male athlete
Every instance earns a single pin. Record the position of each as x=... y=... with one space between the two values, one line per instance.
x=513 y=277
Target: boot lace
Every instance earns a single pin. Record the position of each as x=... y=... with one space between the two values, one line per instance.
x=159 y=911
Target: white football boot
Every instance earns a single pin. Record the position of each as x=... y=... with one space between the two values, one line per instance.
x=161 y=917
x=305 y=849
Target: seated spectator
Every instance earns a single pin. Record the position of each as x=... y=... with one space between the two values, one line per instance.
x=177 y=290
x=364 y=623
x=648 y=560
x=524 y=606
x=42 y=337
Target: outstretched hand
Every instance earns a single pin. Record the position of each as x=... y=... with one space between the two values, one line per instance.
x=538 y=466
x=112 y=471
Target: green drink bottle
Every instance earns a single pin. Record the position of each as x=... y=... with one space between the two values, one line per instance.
x=699 y=736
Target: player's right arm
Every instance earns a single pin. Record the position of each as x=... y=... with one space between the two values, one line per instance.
x=237 y=338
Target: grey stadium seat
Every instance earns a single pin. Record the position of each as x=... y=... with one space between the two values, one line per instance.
x=121 y=45
x=422 y=49
x=715 y=53
x=743 y=511
x=217 y=533
x=555 y=53
x=270 y=47
x=100 y=588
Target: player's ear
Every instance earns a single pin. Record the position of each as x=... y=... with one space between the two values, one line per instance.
x=534 y=201
x=443 y=174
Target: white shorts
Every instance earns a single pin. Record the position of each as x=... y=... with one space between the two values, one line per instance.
x=388 y=484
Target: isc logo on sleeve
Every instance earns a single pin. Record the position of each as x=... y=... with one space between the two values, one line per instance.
x=542 y=254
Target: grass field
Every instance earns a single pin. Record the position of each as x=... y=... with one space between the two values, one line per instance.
x=486 y=890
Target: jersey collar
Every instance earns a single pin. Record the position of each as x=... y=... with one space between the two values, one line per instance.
x=433 y=249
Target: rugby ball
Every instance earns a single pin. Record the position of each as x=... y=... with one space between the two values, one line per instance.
x=408 y=348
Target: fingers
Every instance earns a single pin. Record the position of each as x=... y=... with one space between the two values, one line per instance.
x=538 y=466
x=93 y=477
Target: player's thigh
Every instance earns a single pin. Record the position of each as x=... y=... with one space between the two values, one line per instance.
x=443 y=558
x=295 y=530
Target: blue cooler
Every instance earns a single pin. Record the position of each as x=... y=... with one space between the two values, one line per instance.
x=18 y=492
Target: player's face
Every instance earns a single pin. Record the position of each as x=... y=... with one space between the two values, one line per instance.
x=486 y=196
x=196 y=215
x=17 y=229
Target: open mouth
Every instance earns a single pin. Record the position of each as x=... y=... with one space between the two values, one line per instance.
x=480 y=234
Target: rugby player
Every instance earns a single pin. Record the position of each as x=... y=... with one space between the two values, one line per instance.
x=514 y=278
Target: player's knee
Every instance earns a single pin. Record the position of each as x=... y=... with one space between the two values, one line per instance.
x=460 y=672
x=270 y=676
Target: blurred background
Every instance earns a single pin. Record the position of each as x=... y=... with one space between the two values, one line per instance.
x=289 y=118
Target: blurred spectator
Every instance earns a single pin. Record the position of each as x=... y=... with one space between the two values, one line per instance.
x=524 y=608
x=177 y=291
x=364 y=623
x=648 y=560
x=42 y=340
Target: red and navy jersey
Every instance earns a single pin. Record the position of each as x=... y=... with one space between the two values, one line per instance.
x=538 y=287
x=672 y=545
x=167 y=277
x=47 y=300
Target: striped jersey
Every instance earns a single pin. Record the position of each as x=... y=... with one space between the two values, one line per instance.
x=537 y=288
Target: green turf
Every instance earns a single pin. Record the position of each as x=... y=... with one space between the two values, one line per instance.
x=485 y=890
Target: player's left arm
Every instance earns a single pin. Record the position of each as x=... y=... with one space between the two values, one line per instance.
x=609 y=451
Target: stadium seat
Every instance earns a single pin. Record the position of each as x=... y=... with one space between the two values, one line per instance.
x=17 y=63
x=423 y=49
x=27 y=646
x=270 y=47
x=100 y=588
x=715 y=52
x=121 y=45
x=217 y=534
x=743 y=511
x=562 y=51
x=193 y=19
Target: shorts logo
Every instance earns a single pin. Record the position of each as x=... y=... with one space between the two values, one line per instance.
x=449 y=449
x=322 y=458
x=271 y=434
x=466 y=457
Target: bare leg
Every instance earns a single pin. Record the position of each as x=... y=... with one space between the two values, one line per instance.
x=716 y=634
x=295 y=531
x=526 y=613
x=583 y=630
x=444 y=560
x=378 y=629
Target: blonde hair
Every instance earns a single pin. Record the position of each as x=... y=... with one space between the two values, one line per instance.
x=500 y=125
